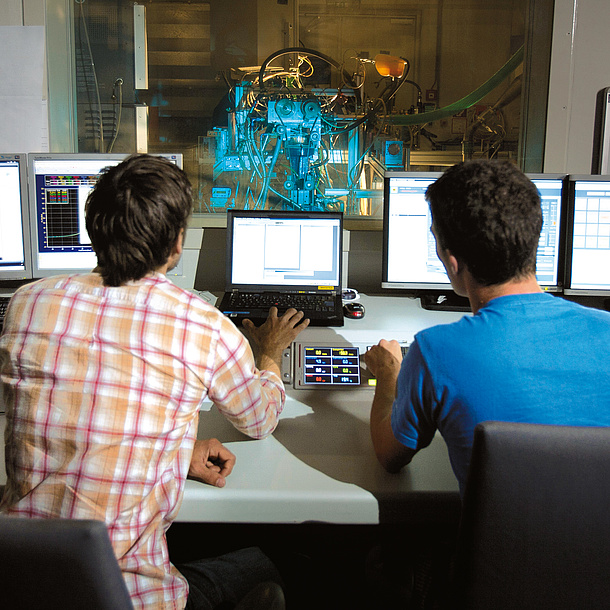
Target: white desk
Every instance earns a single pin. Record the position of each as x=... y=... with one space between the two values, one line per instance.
x=319 y=464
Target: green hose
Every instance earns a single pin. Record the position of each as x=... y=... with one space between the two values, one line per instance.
x=465 y=102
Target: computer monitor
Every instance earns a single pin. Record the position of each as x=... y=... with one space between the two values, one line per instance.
x=410 y=262
x=59 y=184
x=588 y=236
x=551 y=247
x=15 y=254
x=283 y=250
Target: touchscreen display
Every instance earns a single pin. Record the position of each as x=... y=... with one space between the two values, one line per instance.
x=331 y=365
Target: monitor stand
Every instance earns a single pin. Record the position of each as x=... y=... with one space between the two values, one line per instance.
x=445 y=302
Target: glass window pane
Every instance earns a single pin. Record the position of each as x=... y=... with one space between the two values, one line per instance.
x=350 y=90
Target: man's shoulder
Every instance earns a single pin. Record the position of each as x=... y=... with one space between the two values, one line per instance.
x=526 y=316
x=554 y=308
x=440 y=332
x=164 y=287
x=188 y=304
x=56 y=282
x=499 y=316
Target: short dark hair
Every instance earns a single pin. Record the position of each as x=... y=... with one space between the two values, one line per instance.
x=134 y=216
x=488 y=214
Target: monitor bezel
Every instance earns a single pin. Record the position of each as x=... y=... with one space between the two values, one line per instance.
x=571 y=188
x=27 y=273
x=33 y=158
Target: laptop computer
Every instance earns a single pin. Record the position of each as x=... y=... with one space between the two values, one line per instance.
x=287 y=259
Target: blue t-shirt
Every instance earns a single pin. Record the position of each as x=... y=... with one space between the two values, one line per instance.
x=522 y=358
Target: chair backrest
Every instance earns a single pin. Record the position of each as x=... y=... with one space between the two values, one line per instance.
x=61 y=564
x=535 y=529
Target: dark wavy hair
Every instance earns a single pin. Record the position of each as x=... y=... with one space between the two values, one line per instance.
x=488 y=214
x=134 y=215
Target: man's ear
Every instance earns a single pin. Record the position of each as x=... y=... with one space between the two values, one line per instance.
x=455 y=266
x=179 y=243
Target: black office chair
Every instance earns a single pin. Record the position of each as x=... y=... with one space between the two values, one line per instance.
x=535 y=529
x=59 y=564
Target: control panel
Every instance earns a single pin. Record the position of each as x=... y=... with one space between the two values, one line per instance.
x=327 y=366
x=324 y=365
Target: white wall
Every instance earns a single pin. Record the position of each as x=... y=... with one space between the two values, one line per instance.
x=580 y=67
x=21 y=12
x=11 y=13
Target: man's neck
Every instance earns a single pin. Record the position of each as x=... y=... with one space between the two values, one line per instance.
x=479 y=295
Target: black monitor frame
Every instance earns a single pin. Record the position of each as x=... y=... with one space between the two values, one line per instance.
x=233 y=214
x=386 y=282
x=432 y=295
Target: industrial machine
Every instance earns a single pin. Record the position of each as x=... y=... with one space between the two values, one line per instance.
x=286 y=138
x=289 y=144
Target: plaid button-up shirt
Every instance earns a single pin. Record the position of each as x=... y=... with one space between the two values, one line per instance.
x=102 y=388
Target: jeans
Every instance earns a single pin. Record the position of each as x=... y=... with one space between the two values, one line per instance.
x=220 y=582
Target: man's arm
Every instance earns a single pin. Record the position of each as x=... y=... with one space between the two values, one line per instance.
x=384 y=361
x=246 y=383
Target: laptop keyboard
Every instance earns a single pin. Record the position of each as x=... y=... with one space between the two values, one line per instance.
x=3 y=305
x=311 y=304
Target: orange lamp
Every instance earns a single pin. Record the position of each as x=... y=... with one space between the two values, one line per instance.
x=389 y=65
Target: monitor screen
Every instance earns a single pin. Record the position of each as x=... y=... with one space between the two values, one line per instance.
x=59 y=185
x=15 y=259
x=551 y=247
x=588 y=253
x=284 y=249
x=410 y=261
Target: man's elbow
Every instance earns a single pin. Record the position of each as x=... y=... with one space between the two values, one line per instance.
x=267 y=418
x=259 y=435
x=392 y=463
x=392 y=454
x=263 y=428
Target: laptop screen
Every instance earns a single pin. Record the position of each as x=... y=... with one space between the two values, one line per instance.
x=284 y=249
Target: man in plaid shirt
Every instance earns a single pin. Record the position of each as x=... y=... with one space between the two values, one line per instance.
x=103 y=375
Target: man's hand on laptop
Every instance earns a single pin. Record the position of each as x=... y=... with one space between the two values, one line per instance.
x=272 y=337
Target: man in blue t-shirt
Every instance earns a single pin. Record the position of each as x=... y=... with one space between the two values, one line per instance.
x=524 y=356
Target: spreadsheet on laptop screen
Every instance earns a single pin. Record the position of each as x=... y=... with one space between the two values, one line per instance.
x=268 y=250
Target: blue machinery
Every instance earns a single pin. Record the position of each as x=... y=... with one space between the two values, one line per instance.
x=282 y=152
x=286 y=145
x=289 y=146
